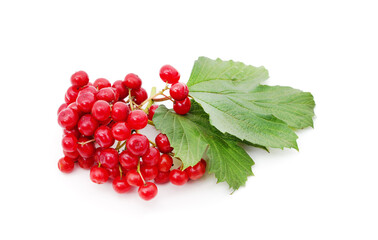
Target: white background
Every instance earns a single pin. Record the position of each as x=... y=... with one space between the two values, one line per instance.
x=327 y=190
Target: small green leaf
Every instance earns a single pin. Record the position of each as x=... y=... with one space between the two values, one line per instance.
x=190 y=135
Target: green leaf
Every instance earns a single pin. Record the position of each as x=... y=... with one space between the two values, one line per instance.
x=230 y=92
x=191 y=135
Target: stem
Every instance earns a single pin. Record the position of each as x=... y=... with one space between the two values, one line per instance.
x=120 y=171
x=131 y=101
x=89 y=141
x=154 y=96
x=160 y=99
x=151 y=123
x=153 y=144
x=138 y=171
x=153 y=92
x=120 y=146
x=168 y=97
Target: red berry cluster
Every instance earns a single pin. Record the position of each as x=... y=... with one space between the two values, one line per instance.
x=101 y=132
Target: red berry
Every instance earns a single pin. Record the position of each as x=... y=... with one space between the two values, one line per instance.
x=132 y=81
x=99 y=175
x=69 y=143
x=87 y=125
x=73 y=155
x=169 y=74
x=137 y=119
x=66 y=164
x=89 y=89
x=68 y=118
x=101 y=110
x=71 y=94
x=179 y=91
x=182 y=107
x=101 y=83
x=139 y=95
x=113 y=172
x=149 y=172
x=197 y=171
x=120 y=185
x=121 y=89
x=79 y=79
x=109 y=158
x=165 y=163
x=74 y=107
x=151 y=111
x=107 y=94
x=85 y=102
x=63 y=106
x=162 y=177
x=152 y=157
x=104 y=137
x=133 y=178
x=73 y=131
x=148 y=191
x=128 y=160
x=86 y=150
x=120 y=131
x=163 y=144
x=85 y=163
x=120 y=112
x=178 y=177
x=138 y=144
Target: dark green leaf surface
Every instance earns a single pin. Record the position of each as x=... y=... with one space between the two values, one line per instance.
x=192 y=134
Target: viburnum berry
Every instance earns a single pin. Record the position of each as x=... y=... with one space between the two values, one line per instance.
x=74 y=107
x=69 y=143
x=197 y=171
x=73 y=155
x=71 y=94
x=182 y=107
x=121 y=89
x=120 y=131
x=178 y=177
x=109 y=158
x=179 y=91
x=87 y=125
x=86 y=163
x=149 y=172
x=162 y=177
x=165 y=163
x=63 y=106
x=151 y=111
x=88 y=89
x=66 y=164
x=128 y=160
x=104 y=137
x=148 y=191
x=169 y=74
x=99 y=175
x=133 y=178
x=113 y=172
x=101 y=110
x=86 y=147
x=101 y=83
x=68 y=118
x=85 y=102
x=73 y=131
x=107 y=94
x=137 y=119
x=120 y=112
x=152 y=157
x=138 y=144
x=139 y=95
x=120 y=185
x=79 y=79
x=132 y=81
x=163 y=143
